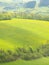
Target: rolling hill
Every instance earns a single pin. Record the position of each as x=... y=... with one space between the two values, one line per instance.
x=23 y=33
x=24 y=41
x=16 y=5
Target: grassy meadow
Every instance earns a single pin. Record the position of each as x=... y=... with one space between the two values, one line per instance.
x=43 y=61
x=24 y=33
x=21 y=32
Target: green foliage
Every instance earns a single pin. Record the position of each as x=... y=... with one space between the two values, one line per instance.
x=24 y=54
x=23 y=15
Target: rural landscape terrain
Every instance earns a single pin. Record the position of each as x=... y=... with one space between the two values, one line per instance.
x=24 y=32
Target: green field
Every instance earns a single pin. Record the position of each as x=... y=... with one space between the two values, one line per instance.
x=24 y=33
x=43 y=61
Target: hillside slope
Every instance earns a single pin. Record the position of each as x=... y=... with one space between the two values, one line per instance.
x=23 y=33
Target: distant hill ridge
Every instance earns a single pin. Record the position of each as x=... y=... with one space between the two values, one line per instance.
x=31 y=4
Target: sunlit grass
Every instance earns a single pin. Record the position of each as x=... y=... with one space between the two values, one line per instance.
x=23 y=33
x=43 y=61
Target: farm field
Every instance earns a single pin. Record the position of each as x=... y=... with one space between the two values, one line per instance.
x=24 y=33
x=21 y=32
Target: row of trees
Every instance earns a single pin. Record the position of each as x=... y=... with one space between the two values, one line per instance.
x=24 y=15
x=24 y=54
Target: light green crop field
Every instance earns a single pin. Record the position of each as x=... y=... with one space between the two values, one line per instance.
x=24 y=33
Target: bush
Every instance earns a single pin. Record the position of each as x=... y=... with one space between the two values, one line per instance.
x=25 y=54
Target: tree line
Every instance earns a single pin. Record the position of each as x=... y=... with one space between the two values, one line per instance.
x=23 y=15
